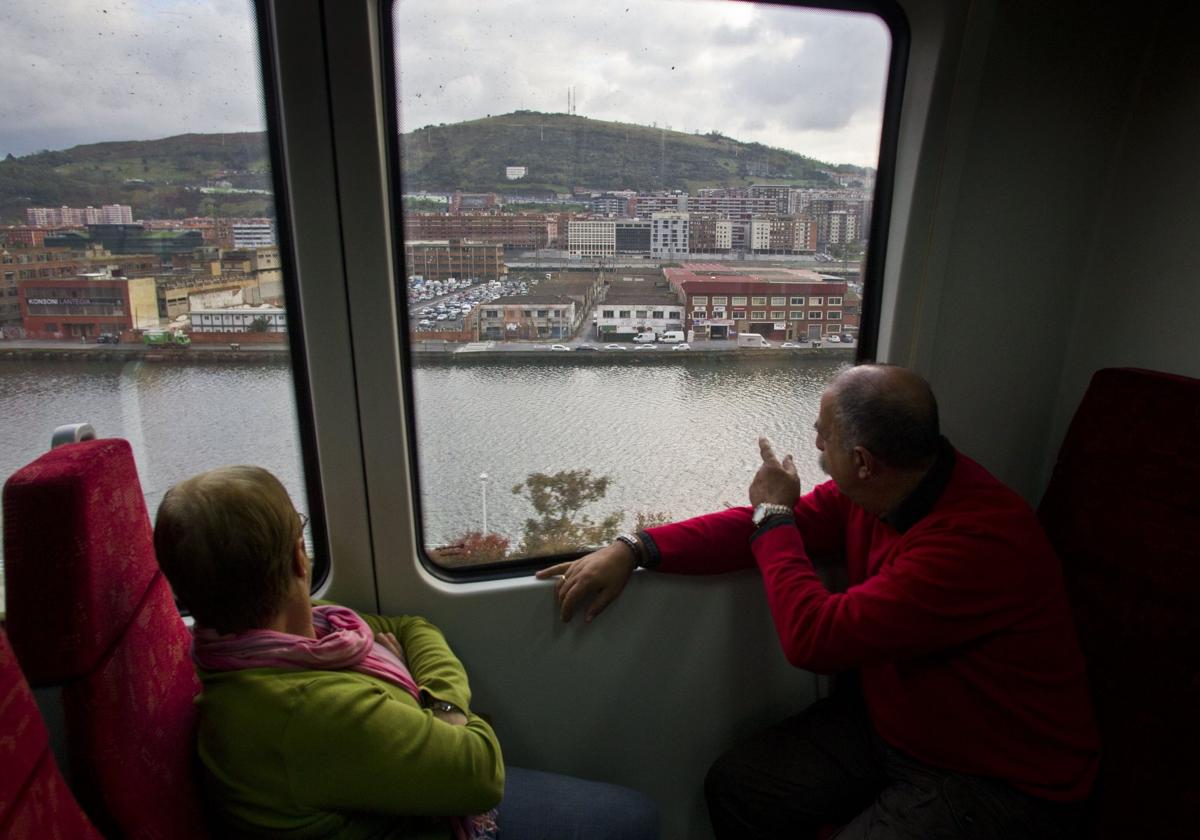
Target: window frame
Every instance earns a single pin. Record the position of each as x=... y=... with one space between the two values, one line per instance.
x=889 y=14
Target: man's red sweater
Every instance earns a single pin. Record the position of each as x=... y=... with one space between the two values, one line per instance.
x=959 y=624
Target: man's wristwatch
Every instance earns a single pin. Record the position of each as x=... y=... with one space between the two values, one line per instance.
x=635 y=545
x=765 y=509
x=443 y=706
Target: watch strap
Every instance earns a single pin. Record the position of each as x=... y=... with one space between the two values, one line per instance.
x=635 y=545
x=765 y=509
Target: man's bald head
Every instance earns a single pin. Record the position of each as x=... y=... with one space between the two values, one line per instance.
x=889 y=411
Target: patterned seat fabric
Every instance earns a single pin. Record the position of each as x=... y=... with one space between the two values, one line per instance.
x=90 y=610
x=1123 y=511
x=35 y=802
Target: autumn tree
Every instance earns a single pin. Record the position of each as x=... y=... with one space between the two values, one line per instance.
x=558 y=499
x=471 y=549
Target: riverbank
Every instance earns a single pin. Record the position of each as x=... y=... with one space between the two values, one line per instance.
x=278 y=355
x=439 y=353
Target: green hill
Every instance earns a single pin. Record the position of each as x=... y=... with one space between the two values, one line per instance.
x=163 y=178
x=158 y=178
x=562 y=152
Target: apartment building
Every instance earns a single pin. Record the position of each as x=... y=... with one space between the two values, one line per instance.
x=253 y=233
x=523 y=231
x=710 y=235
x=592 y=238
x=633 y=236
x=455 y=258
x=461 y=201
x=647 y=204
x=669 y=235
x=732 y=204
x=22 y=236
x=108 y=214
x=784 y=235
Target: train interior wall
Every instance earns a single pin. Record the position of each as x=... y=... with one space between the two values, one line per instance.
x=1056 y=243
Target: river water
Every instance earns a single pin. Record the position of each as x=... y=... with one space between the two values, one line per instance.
x=676 y=438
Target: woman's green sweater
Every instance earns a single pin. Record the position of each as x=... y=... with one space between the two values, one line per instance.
x=307 y=754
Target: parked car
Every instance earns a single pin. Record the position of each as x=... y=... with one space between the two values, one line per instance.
x=647 y=347
x=788 y=345
x=585 y=347
x=834 y=339
x=683 y=346
x=615 y=347
x=108 y=338
x=562 y=347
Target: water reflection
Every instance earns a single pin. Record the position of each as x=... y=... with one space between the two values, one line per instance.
x=677 y=438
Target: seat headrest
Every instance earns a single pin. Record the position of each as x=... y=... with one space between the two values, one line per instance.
x=78 y=553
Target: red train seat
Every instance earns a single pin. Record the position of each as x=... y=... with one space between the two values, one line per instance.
x=35 y=802
x=1123 y=511
x=89 y=610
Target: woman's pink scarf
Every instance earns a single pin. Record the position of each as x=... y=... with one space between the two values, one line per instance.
x=344 y=643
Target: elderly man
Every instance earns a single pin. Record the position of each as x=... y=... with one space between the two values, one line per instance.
x=962 y=710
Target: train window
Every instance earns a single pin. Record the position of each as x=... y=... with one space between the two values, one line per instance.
x=136 y=174
x=574 y=186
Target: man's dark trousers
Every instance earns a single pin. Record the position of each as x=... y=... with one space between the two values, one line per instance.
x=828 y=766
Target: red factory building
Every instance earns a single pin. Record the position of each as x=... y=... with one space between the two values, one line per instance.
x=780 y=304
x=86 y=305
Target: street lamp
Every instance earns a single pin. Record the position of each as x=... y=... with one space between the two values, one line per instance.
x=483 y=479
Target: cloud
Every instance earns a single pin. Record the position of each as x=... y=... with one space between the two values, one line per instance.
x=82 y=72
x=795 y=78
x=810 y=81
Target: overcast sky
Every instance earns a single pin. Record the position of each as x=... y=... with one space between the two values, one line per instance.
x=812 y=82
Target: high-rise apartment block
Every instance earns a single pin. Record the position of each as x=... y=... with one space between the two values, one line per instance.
x=253 y=233
x=108 y=214
x=669 y=235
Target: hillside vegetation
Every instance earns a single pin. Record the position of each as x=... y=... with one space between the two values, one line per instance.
x=162 y=178
x=562 y=152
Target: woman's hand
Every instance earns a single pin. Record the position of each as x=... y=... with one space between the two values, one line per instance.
x=454 y=718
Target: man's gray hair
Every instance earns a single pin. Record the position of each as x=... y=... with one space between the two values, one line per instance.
x=889 y=411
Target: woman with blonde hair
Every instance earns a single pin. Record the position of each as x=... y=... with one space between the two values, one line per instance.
x=316 y=721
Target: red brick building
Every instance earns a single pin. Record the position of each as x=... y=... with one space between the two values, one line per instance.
x=86 y=305
x=781 y=304
x=23 y=236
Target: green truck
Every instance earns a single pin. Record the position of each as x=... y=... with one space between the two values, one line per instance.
x=165 y=338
